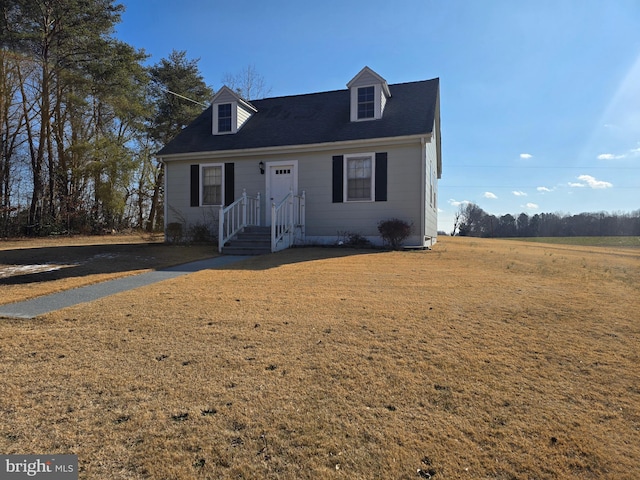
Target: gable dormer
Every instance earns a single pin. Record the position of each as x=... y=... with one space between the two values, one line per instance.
x=229 y=111
x=369 y=93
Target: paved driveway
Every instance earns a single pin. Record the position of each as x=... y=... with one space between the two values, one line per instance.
x=49 y=303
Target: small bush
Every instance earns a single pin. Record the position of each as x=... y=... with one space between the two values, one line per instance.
x=354 y=240
x=394 y=232
x=174 y=232
x=199 y=233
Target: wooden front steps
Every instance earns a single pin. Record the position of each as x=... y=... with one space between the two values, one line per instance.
x=252 y=241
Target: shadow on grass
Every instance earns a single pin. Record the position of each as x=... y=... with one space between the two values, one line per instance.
x=302 y=255
x=46 y=264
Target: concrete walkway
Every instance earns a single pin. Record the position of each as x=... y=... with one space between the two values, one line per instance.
x=49 y=303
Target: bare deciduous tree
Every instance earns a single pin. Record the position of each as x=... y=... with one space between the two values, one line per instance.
x=249 y=84
x=457 y=220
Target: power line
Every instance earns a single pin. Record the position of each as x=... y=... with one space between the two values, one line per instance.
x=183 y=97
x=544 y=168
x=444 y=185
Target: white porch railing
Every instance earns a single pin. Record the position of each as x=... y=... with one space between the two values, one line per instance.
x=243 y=212
x=288 y=222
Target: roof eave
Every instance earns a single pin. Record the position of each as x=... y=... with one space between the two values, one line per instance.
x=315 y=147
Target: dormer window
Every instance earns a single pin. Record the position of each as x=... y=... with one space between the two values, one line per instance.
x=224 y=117
x=366 y=102
x=369 y=95
x=230 y=112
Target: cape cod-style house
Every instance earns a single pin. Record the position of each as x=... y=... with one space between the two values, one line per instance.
x=309 y=169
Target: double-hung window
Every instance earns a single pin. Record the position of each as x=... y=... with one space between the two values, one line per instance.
x=211 y=184
x=224 y=117
x=366 y=102
x=211 y=177
x=359 y=176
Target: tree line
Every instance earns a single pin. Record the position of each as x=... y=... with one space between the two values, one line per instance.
x=81 y=116
x=471 y=220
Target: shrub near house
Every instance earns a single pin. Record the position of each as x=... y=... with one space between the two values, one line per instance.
x=394 y=232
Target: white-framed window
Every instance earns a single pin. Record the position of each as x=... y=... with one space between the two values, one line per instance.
x=211 y=184
x=366 y=102
x=359 y=177
x=224 y=118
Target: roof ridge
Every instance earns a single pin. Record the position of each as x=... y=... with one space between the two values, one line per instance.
x=299 y=95
x=336 y=90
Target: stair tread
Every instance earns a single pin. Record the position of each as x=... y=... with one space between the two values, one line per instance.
x=253 y=240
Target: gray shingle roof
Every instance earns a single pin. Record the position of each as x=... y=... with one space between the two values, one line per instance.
x=314 y=118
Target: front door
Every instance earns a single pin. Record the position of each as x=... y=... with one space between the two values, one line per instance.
x=282 y=178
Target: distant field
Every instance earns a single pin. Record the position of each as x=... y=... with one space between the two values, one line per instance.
x=586 y=241
x=479 y=359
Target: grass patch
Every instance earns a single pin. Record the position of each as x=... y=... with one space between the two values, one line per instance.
x=621 y=241
x=329 y=363
x=34 y=267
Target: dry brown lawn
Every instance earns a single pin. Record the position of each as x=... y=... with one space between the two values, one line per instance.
x=34 y=267
x=479 y=359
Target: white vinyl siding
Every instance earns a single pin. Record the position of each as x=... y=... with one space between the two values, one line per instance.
x=383 y=102
x=431 y=190
x=242 y=116
x=324 y=219
x=367 y=77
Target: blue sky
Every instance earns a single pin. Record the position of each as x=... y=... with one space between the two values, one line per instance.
x=540 y=100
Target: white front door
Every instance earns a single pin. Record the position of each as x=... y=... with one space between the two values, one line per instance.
x=282 y=178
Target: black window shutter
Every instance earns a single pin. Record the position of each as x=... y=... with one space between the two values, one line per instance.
x=195 y=185
x=338 y=178
x=381 y=177
x=229 y=194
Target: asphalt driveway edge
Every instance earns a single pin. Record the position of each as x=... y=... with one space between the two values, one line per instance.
x=35 y=307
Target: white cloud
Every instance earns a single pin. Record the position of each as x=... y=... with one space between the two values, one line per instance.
x=525 y=156
x=519 y=194
x=610 y=156
x=489 y=195
x=456 y=203
x=593 y=183
x=543 y=189
x=633 y=152
x=532 y=206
